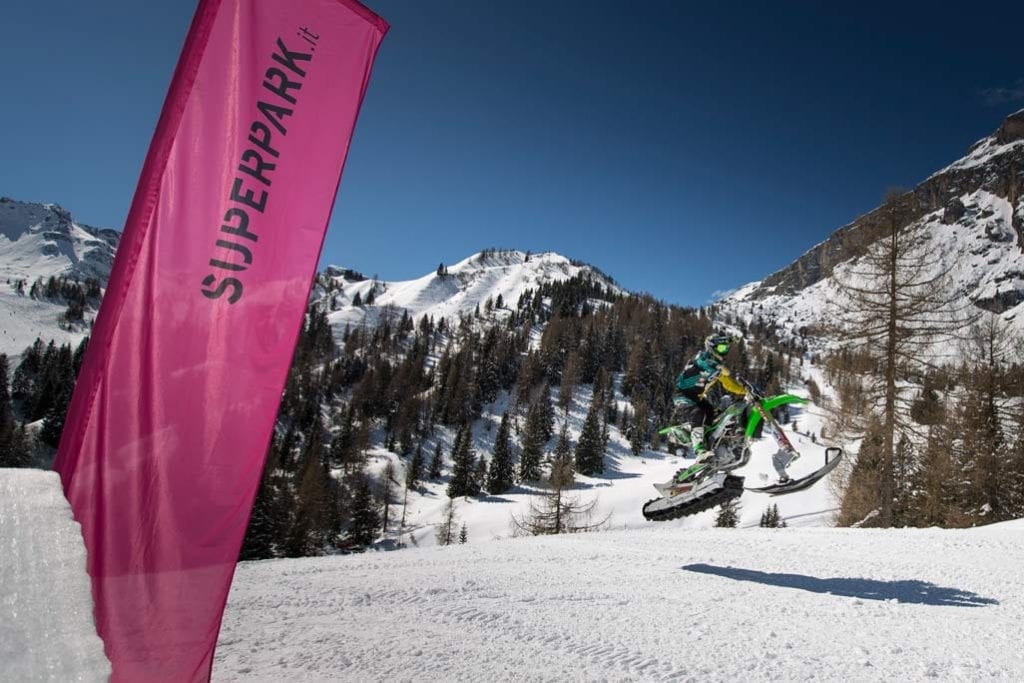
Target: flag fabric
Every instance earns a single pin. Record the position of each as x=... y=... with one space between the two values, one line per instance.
x=168 y=429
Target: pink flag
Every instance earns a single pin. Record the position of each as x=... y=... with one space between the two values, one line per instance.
x=168 y=429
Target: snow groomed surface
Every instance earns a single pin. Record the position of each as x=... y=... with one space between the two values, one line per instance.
x=661 y=603
x=46 y=626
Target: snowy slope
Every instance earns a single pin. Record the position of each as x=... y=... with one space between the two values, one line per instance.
x=46 y=626
x=628 y=480
x=468 y=284
x=40 y=241
x=657 y=604
x=620 y=492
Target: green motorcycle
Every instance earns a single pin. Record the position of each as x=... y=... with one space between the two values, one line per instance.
x=704 y=485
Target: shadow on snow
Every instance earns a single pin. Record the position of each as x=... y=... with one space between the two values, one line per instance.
x=913 y=592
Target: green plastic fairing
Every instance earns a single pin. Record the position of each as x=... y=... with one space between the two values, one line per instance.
x=770 y=404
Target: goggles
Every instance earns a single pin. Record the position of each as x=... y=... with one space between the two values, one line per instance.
x=721 y=349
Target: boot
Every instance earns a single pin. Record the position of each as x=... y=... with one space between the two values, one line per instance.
x=700 y=451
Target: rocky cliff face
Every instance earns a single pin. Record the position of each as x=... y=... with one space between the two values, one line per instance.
x=43 y=240
x=994 y=165
x=37 y=242
x=1012 y=129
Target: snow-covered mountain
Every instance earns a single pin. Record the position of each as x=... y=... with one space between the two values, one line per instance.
x=39 y=241
x=451 y=291
x=43 y=241
x=972 y=215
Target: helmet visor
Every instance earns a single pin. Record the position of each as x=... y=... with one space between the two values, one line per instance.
x=721 y=349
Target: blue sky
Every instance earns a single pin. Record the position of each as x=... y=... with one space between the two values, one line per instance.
x=682 y=147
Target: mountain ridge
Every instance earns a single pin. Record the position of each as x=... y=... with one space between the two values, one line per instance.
x=971 y=214
x=39 y=241
x=994 y=164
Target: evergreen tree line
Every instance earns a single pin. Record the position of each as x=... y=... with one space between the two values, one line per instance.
x=958 y=459
x=40 y=389
x=79 y=296
x=406 y=385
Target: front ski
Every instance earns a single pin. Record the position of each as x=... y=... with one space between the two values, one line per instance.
x=833 y=455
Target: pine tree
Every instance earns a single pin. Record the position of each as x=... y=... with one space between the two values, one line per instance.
x=771 y=519
x=1015 y=469
x=387 y=479
x=314 y=510
x=729 y=514
x=934 y=502
x=268 y=521
x=501 y=475
x=480 y=474
x=436 y=462
x=898 y=303
x=446 y=529
x=463 y=466
x=463 y=533
x=26 y=376
x=401 y=523
x=365 y=516
x=19 y=449
x=7 y=422
x=80 y=355
x=986 y=494
x=556 y=512
x=590 y=449
x=562 y=470
x=547 y=412
x=534 y=440
x=570 y=378
x=414 y=470
x=53 y=423
x=638 y=430
x=861 y=502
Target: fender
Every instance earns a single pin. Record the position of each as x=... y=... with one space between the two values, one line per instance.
x=770 y=404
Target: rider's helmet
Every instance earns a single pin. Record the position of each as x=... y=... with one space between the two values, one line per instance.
x=718 y=345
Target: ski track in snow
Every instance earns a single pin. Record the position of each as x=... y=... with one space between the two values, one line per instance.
x=659 y=604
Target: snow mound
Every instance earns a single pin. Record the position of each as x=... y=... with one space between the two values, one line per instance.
x=659 y=604
x=46 y=625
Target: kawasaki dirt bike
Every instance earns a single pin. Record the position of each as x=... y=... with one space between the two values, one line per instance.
x=704 y=485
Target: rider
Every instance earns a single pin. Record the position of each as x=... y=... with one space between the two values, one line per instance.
x=692 y=386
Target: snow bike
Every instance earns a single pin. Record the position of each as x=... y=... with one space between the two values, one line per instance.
x=704 y=485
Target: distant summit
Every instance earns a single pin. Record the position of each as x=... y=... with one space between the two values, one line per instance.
x=43 y=240
x=44 y=254
x=1012 y=129
x=499 y=276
